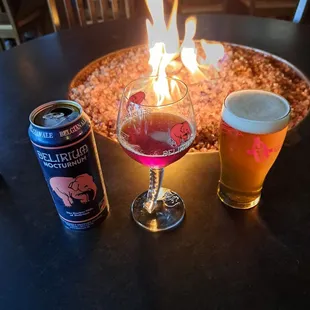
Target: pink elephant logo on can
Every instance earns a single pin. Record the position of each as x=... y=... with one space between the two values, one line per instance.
x=81 y=188
x=180 y=133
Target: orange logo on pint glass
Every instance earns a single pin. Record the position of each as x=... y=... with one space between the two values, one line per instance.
x=259 y=150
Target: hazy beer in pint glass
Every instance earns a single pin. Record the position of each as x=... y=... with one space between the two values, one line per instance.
x=252 y=131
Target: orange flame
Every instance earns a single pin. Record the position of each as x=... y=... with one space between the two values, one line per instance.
x=214 y=53
x=188 y=49
x=164 y=47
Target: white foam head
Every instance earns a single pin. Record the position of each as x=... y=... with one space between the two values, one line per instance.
x=256 y=111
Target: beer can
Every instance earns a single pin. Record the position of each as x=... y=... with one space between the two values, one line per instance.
x=65 y=146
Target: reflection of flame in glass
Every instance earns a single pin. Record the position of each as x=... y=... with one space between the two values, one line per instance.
x=153 y=225
x=164 y=47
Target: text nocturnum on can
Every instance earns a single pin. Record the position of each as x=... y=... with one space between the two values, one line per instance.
x=65 y=146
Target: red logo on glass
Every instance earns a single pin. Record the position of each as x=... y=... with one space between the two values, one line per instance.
x=135 y=99
x=180 y=133
x=260 y=151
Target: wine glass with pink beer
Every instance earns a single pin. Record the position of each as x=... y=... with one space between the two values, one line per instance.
x=156 y=127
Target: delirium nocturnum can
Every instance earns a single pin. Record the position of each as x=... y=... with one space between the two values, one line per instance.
x=65 y=146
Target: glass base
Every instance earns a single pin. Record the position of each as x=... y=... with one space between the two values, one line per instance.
x=168 y=213
x=237 y=200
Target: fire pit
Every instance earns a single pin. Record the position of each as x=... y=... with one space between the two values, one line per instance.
x=210 y=69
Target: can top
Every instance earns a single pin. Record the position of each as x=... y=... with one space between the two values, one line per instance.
x=55 y=114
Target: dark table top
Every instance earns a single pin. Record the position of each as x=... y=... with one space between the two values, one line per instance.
x=217 y=259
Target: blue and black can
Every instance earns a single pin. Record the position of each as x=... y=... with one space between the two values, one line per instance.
x=65 y=146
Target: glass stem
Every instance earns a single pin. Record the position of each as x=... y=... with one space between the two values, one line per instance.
x=156 y=177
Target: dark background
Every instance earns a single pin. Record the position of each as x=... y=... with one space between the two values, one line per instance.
x=217 y=259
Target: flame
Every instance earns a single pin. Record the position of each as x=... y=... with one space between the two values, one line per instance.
x=188 y=50
x=164 y=47
x=214 y=53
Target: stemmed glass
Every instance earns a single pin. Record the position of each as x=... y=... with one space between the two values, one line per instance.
x=156 y=127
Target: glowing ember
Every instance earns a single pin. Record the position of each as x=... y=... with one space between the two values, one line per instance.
x=164 y=47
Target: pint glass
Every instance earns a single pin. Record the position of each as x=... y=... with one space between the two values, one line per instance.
x=252 y=131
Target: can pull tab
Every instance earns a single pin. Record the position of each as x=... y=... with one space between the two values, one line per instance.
x=58 y=113
x=53 y=115
x=57 y=116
